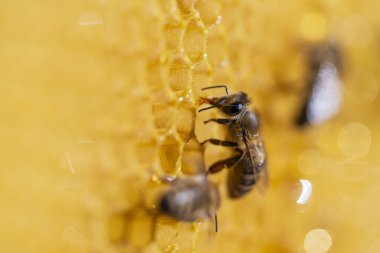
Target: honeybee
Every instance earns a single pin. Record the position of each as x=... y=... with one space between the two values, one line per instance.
x=191 y=198
x=325 y=91
x=243 y=136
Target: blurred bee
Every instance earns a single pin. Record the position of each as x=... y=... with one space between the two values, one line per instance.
x=325 y=92
x=190 y=199
x=249 y=163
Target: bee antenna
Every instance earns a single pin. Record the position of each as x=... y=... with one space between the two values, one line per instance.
x=216 y=223
x=217 y=86
x=204 y=109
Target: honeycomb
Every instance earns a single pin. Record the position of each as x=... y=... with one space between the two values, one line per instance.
x=99 y=101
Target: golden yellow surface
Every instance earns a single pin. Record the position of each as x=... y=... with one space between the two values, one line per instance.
x=99 y=97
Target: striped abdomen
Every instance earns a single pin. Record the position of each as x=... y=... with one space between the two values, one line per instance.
x=241 y=178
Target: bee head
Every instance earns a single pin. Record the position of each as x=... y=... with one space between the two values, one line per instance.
x=234 y=104
x=230 y=105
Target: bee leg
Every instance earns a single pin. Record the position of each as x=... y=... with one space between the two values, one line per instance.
x=227 y=163
x=221 y=143
x=219 y=121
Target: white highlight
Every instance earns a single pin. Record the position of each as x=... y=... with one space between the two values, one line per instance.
x=326 y=96
x=307 y=189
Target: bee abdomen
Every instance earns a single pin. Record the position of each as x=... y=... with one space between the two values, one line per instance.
x=239 y=182
x=247 y=180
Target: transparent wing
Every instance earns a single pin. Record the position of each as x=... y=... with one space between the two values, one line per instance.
x=257 y=154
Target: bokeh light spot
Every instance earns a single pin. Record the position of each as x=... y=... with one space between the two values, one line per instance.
x=317 y=241
x=356 y=31
x=354 y=140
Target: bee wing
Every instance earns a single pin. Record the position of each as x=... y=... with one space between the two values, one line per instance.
x=264 y=181
x=256 y=153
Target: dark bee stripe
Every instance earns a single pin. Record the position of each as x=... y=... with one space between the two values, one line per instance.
x=247 y=179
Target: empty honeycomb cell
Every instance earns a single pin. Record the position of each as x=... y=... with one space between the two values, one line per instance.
x=201 y=76
x=185 y=120
x=186 y=7
x=139 y=227
x=192 y=159
x=173 y=28
x=180 y=76
x=156 y=81
x=163 y=115
x=117 y=226
x=194 y=40
x=162 y=96
x=216 y=46
x=209 y=11
x=169 y=152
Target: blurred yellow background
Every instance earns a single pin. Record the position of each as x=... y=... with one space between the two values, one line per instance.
x=99 y=97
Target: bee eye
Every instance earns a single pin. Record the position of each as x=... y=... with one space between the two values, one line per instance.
x=233 y=109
